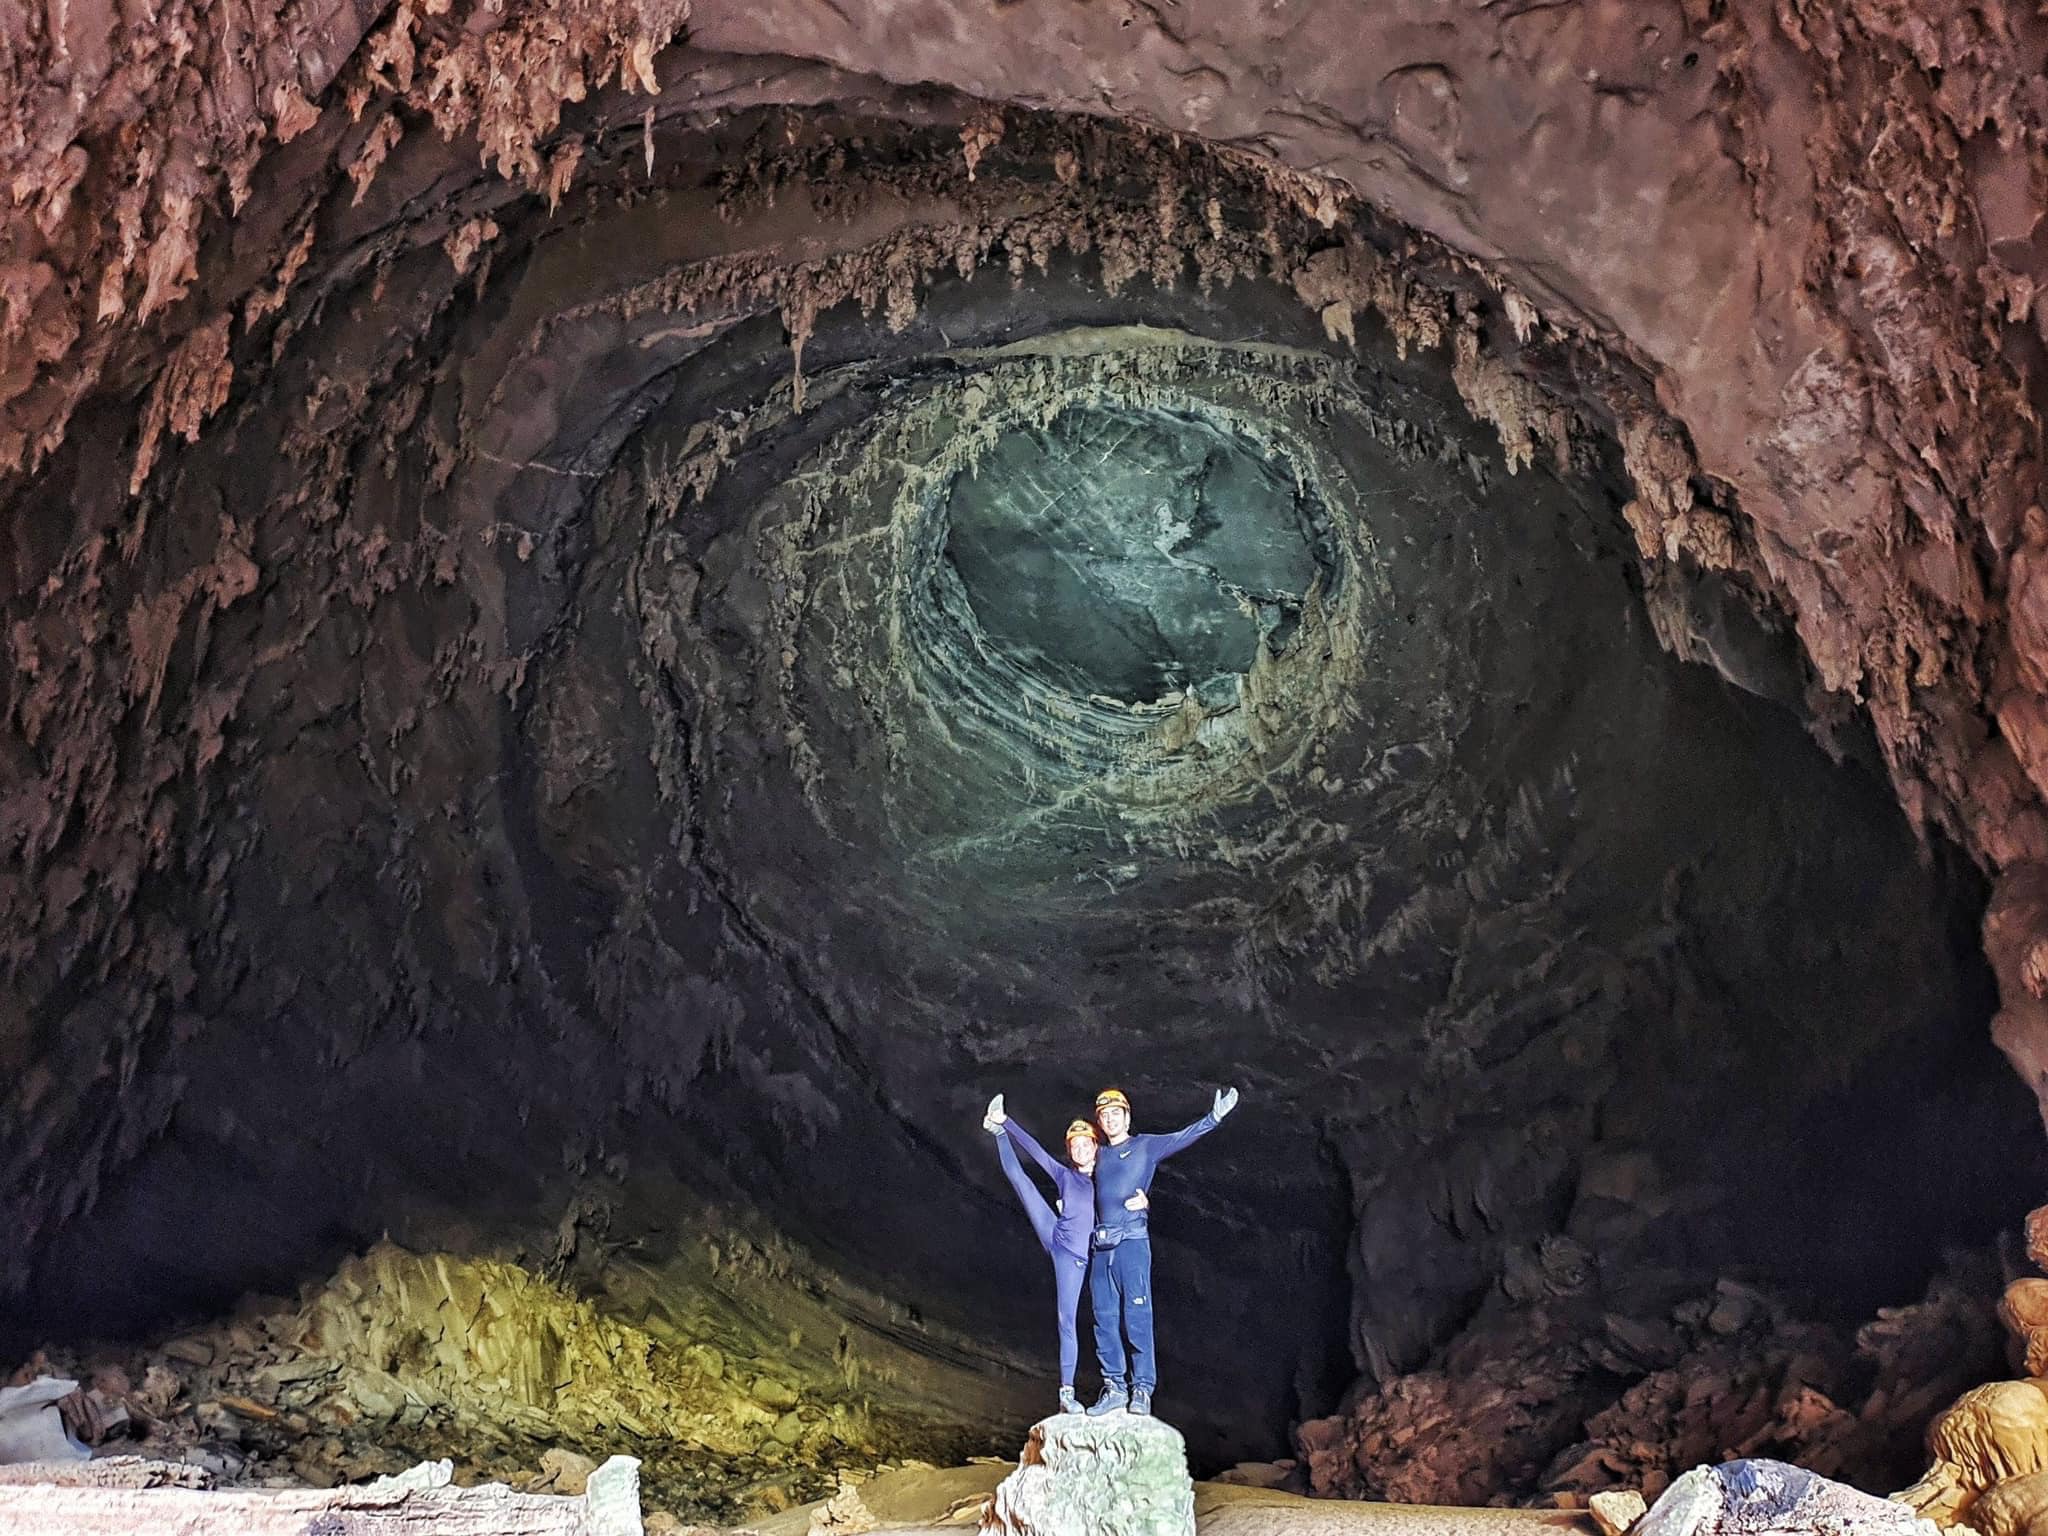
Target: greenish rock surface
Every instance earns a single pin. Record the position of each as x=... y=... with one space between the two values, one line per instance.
x=775 y=1394
x=707 y=1360
x=1121 y=1475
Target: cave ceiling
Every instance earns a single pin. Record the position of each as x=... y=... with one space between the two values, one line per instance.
x=666 y=594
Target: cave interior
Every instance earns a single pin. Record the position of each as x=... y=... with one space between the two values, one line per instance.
x=576 y=717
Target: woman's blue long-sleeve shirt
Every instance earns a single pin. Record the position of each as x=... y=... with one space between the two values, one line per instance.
x=1076 y=1194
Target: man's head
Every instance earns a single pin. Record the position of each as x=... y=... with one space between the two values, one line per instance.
x=1081 y=1145
x=1113 y=1114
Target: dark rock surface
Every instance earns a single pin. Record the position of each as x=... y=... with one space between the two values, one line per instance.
x=1139 y=556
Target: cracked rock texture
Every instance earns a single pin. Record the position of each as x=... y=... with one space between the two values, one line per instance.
x=736 y=1390
x=540 y=708
x=1762 y=1495
x=1122 y=1475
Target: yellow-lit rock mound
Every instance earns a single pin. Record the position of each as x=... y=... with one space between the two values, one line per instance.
x=1990 y=1450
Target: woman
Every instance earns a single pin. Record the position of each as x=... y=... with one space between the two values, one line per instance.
x=1062 y=1229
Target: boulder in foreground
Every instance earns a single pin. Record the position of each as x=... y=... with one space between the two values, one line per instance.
x=1121 y=1475
x=1773 y=1498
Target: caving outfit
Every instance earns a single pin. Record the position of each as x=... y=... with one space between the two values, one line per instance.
x=1063 y=1233
x=1120 y=1266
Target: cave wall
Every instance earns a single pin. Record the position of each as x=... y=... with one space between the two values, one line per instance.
x=418 y=708
x=1855 y=357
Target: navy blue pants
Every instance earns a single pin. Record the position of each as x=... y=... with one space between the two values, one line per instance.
x=1069 y=1270
x=1120 y=1295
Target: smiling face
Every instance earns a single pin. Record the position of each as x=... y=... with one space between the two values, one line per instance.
x=1115 y=1121
x=1081 y=1152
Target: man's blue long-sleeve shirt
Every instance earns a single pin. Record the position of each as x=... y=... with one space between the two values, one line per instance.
x=1122 y=1171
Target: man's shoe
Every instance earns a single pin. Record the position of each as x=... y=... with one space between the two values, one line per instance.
x=1113 y=1400
x=1141 y=1400
x=1068 y=1402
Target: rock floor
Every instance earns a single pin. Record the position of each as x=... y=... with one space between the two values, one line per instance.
x=949 y=1498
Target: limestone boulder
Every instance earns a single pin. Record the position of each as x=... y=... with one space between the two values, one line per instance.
x=1773 y=1498
x=1615 y=1510
x=1121 y=1475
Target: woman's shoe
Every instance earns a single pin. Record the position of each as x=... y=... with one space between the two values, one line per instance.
x=1068 y=1402
x=992 y=1122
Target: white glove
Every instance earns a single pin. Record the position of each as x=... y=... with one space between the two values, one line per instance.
x=1226 y=1101
x=992 y=1122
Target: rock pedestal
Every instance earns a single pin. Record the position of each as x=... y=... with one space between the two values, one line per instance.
x=1120 y=1475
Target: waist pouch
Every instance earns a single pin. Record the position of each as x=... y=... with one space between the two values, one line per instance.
x=1109 y=1237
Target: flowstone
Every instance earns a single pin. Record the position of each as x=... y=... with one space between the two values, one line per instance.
x=1990 y=1471
x=1124 y=1475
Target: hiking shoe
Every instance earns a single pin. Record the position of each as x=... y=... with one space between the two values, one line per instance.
x=1113 y=1400
x=1068 y=1402
x=1141 y=1399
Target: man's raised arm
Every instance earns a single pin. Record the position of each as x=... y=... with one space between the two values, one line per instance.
x=1165 y=1145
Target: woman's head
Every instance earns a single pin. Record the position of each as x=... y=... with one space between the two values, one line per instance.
x=1081 y=1145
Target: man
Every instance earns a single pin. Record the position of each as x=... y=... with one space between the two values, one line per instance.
x=1120 y=1264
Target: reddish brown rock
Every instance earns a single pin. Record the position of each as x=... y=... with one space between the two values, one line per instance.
x=1525 y=1408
